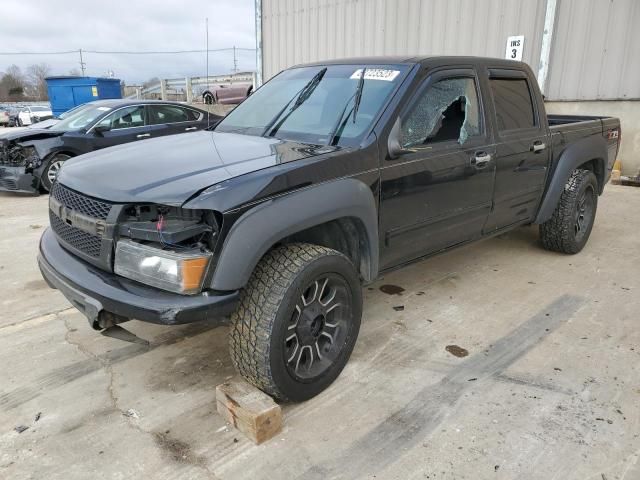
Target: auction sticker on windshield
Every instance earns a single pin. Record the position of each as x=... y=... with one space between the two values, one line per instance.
x=377 y=74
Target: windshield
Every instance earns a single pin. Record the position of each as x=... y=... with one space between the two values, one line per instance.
x=80 y=118
x=315 y=104
x=40 y=109
x=68 y=113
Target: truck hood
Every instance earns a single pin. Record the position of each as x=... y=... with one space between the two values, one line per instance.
x=170 y=170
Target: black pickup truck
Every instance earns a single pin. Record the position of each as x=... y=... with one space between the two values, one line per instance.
x=328 y=175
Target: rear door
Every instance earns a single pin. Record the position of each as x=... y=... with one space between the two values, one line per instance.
x=172 y=119
x=439 y=193
x=522 y=152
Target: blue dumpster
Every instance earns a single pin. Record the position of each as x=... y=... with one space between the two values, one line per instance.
x=68 y=92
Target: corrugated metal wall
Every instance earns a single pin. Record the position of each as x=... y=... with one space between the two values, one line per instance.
x=299 y=31
x=595 y=52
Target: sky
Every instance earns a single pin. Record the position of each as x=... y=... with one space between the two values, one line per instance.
x=128 y=25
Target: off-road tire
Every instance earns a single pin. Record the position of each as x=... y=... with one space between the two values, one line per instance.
x=559 y=233
x=261 y=321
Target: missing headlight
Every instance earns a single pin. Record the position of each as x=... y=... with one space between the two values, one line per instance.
x=19 y=155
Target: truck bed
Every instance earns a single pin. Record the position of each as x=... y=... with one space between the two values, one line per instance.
x=565 y=129
x=555 y=120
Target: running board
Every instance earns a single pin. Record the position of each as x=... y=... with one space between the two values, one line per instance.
x=116 y=331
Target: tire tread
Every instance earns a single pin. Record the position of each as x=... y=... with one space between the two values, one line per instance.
x=252 y=322
x=557 y=233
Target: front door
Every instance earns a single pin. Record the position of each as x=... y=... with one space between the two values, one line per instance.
x=439 y=193
x=125 y=125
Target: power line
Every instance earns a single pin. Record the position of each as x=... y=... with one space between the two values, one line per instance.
x=130 y=52
x=39 y=53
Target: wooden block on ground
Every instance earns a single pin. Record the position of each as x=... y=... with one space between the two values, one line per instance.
x=250 y=410
x=616 y=177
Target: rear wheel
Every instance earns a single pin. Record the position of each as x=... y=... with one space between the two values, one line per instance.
x=50 y=172
x=208 y=98
x=297 y=322
x=569 y=227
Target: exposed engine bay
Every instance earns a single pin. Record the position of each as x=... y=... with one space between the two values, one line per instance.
x=14 y=154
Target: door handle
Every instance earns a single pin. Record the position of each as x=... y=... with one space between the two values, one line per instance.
x=143 y=135
x=481 y=159
x=188 y=129
x=538 y=147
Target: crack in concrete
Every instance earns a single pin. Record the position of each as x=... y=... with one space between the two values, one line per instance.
x=113 y=396
x=36 y=317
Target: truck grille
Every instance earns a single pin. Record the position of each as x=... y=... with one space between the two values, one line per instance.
x=80 y=203
x=76 y=238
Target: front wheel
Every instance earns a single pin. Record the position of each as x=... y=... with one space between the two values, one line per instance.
x=297 y=322
x=50 y=172
x=568 y=229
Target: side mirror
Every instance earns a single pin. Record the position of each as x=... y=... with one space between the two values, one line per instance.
x=100 y=129
x=393 y=144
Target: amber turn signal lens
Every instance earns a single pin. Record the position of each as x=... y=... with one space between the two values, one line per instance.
x=193 y=271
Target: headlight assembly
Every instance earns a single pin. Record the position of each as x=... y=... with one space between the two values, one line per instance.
x=180 y=271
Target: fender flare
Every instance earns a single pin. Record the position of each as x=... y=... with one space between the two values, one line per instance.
x=579 y=152
x=258 y=229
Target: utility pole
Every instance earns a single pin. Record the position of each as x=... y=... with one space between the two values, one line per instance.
x=207 y=33
x=206 y=26
x=235 y=60
x=82 y=64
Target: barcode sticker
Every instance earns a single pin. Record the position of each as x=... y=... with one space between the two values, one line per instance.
x=376 y=74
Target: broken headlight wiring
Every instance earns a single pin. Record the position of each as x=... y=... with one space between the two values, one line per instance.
x=166 y=247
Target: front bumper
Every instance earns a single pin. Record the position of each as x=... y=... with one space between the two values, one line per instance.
x=15 y=179
x=95 y=292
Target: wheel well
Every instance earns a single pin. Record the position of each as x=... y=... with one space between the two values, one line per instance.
x=62 y=152
x=346 y=235
x=596 y=165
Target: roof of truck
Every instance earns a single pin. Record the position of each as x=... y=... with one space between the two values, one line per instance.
x=415 y=59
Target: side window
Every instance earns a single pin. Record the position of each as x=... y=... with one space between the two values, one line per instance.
x=514 y=105
x=446 y=111
x=124 y=118
x=172 y=114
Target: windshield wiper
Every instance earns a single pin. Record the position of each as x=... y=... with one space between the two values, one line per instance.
x=301 y=97
x=337 y=129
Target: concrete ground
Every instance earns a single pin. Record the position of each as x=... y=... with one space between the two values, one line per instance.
x=550 y=388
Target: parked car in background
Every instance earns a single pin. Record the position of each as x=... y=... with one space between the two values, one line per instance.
x=14 y=110
x=227 y=94
x=34 y=114
x=329 y=175
x=31 y=158
x=4 y=116
x=44 y=124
